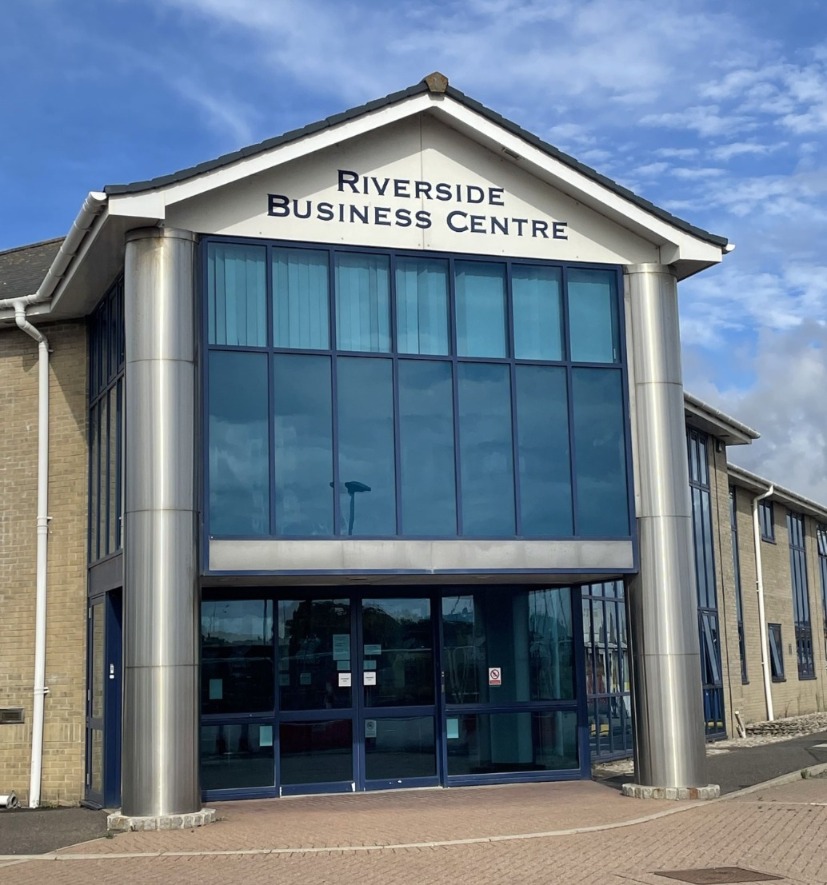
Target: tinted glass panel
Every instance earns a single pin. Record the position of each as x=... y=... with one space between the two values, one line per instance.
x=367 y=492
x=300 y=299
x=400 y=748
x=316 y=752
x=422 y=305
x=480 y=305
x=303 y=458
x=363 y=302
x=237 y=668
x=593 y=316
x=543 y=453
x=599 y=441
x=486 y=449
x=537 y=315
x=239 y=444
x=426 y=428
x=237 y=293
x=236 y=756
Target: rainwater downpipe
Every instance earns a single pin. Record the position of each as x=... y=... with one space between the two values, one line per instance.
x=759 y=587
x=40 y=688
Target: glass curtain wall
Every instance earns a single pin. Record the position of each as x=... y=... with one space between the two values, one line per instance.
x=359 y=393
x=801 y=597
x=711 y=673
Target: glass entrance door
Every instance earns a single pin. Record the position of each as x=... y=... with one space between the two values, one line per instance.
x=357 y=694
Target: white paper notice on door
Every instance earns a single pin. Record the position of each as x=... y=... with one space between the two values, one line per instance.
x=344 y=680
x=370 y=677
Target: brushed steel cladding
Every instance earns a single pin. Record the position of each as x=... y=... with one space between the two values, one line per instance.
x=160 y=399
x=160 y=741
x=667 y=754
x=160 y=323
x=161 y=629
x=475 y=557
x=160 y=744
x=668 y=711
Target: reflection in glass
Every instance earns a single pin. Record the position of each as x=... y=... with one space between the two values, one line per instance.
x=487 y=468
x=422 y=305
x=535 y=293
x=314 y=647
x=500 y=743
x=366 y=454
x=600 y=444
x=98 y=662
x=363 y=302
x=543 y=452
x=300 y=299
x=236 y=295
x=400 y=748
x=593 y=316
x=303 y=459
x=237 y=669
x=236 y=756
x=480 y=308
x=426 y=429
x=316 y=752
x=96 y=760
x=239 y=444
x=398 y=640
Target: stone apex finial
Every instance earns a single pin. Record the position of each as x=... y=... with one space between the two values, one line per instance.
x=436 y=82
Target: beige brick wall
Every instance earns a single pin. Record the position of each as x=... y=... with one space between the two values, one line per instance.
x=63 y=758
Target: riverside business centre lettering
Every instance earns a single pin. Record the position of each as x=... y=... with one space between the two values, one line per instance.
x=467 y=219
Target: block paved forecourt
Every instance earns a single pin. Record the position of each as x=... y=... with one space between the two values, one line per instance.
x=780 y=830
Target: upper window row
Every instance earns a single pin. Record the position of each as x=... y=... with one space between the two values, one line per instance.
x=381 y=303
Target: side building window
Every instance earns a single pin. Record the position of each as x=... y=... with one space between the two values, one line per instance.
x=385 y=394
x=776 y=652
x=766 y=519
x=821 y=535
x=801 y=597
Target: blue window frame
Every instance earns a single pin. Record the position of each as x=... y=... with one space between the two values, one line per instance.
x=766 y=518
x=106 y=395
x=776 y=652
x=821 y=539
x=385 y=394
x=801 y=597
x=736 y=568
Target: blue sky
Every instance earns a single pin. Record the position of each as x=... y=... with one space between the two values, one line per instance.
x=717 y=112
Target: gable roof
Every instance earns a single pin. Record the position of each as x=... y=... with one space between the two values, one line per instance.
x=23 y=268
x=425 y=86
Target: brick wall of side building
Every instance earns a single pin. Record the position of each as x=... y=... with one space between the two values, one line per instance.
x=63 y=757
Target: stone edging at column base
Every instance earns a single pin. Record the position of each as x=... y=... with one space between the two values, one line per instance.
x=640 y=791
x=121 y=823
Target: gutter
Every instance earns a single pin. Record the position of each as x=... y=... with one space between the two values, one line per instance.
x=92 y=207
x=762 y=616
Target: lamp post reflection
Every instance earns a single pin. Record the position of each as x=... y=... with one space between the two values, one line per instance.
x=353 y=488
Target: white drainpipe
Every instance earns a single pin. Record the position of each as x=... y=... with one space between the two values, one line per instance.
x=762 y=617
x=92 y=207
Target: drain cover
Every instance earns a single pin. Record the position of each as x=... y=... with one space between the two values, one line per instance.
x=719 y=876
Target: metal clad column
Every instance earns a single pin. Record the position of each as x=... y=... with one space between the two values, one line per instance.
x=160 y=723
x=663 y=620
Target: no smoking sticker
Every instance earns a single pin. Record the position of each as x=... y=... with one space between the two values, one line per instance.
x=495 y=676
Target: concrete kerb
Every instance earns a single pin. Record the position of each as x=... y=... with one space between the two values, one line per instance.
x=791 y=777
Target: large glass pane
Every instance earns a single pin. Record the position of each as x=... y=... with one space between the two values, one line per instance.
x=535 y=295
x=114 y=472
x=486 y=459
x=422 y=305
x=237 y=294
x=239 y=444
x=480 y=307
x=94 y=479
x=400 y=748
x=103 y=478
x=237 y=668
x=593 y=327
x=543 y=452
x=237 y=756
x=97 y=661
x=303 y=456
x=602 y=506
x=501 y=743
x=367 y=490
x=314 y=650
x=551 y=644
x=398 y=649
x=426 y=429
x=316 y=752
x=300 y=299
x=95 y=760
x=363 y=302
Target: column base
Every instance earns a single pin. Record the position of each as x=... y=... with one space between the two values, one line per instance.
x=122 y=823
x=640 y=791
